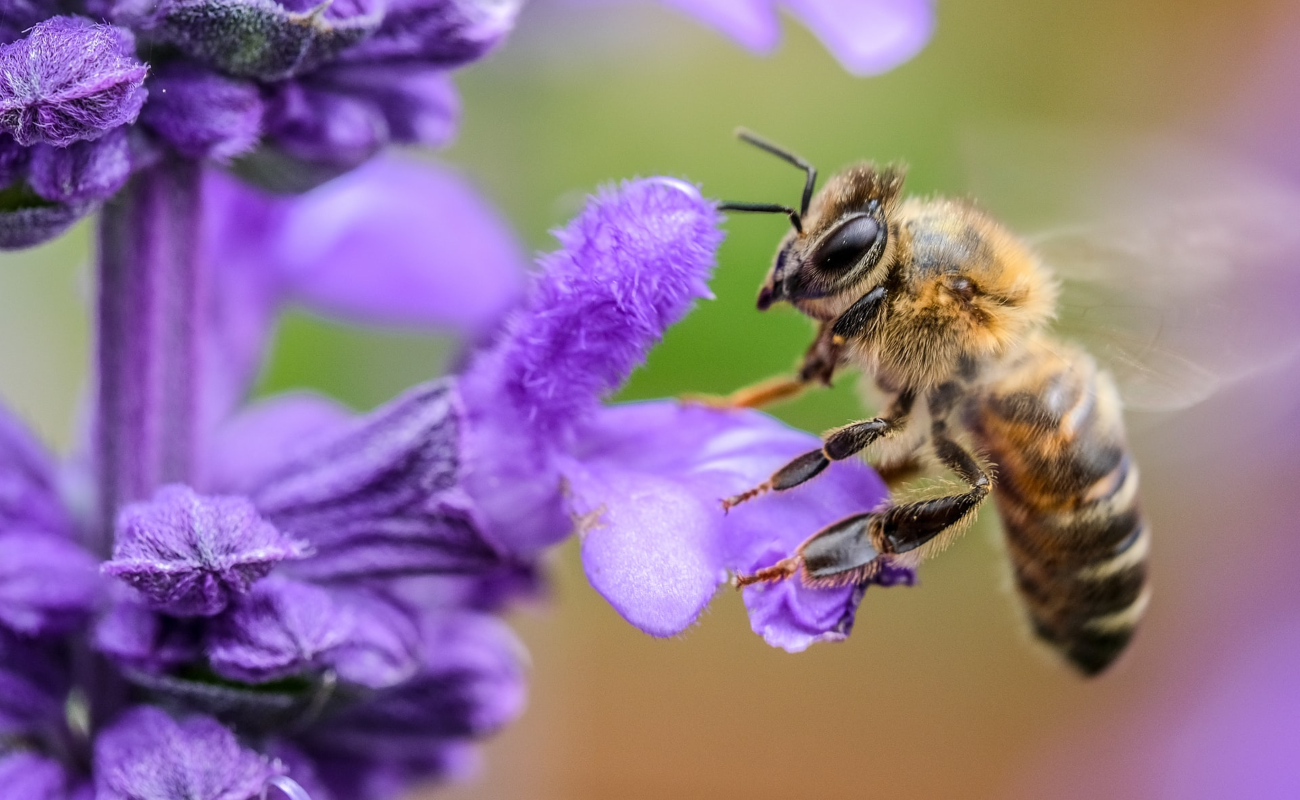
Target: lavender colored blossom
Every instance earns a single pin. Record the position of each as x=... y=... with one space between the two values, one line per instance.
x=189 y=555
x=868 y=37
x=147 y=754
x=69 y=80
x=29 y=498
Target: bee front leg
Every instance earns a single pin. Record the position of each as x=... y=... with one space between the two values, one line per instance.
x=819 y=364
x=837 y=445
x=852 y=550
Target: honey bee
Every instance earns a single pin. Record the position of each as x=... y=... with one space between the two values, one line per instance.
x=950 y=314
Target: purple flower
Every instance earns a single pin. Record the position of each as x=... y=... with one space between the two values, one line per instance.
x=867 y=36
x=189 y=554
x=69 y=80
x=643 y=484
x=633 y=263
x=28 y=776
x=147 y=754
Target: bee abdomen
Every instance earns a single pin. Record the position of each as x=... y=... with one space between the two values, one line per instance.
x=1067 y=494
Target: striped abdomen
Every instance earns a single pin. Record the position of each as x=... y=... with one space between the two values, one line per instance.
x=1067 y=494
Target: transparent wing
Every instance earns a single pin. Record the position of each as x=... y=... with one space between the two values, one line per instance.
x=1186 y=280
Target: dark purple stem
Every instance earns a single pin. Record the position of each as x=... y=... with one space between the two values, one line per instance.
x=147 y=351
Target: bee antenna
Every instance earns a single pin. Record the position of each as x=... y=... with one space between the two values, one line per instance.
x=746 y=135
x=766 y=208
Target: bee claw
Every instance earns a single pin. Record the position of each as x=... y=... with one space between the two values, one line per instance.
x=777 y=572
x=735 y=500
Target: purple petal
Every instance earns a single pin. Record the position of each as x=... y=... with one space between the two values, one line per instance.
x=868 y=36
x=379 y=497
x=16 y=16
x=28 y=776
x=33 y=684
x=418 y=103
x=138 y=638
x=393 y=242
x=252 y=444
x=281 y=628
x=316 y=124
x=264 y=39
x=646 y=484
x=469 y=685
x=69 y=80
x=189 y=555
x=752 y=23
x=29 y=497
x=83 y=171
x=48 y=585
x=238 y=226
x=445 y=33
x=147 y=754
x=632 y=264
x=202 y=114
x=383 y=647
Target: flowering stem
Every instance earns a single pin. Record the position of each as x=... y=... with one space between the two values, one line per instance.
x=148 y=348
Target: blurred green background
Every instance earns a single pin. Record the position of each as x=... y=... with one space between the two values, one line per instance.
x=938 y=693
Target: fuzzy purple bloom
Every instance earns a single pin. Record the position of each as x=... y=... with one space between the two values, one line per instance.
x=632 y=263
x=84 y=171
x=69 y=80
x=203 y=114
x=147 y=754
x=189 y=555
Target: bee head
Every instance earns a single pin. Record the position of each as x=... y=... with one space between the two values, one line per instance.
x=840 y=236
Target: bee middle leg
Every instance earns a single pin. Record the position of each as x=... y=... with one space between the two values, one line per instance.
x=837 y=445
x=851 y=550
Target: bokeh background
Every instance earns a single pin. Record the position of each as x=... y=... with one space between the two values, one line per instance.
x=938 y=693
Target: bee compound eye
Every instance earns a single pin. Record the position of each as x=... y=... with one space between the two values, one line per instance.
x=847 y=245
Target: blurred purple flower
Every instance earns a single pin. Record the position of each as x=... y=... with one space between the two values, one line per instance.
x=867 y=37
x=27 y=776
